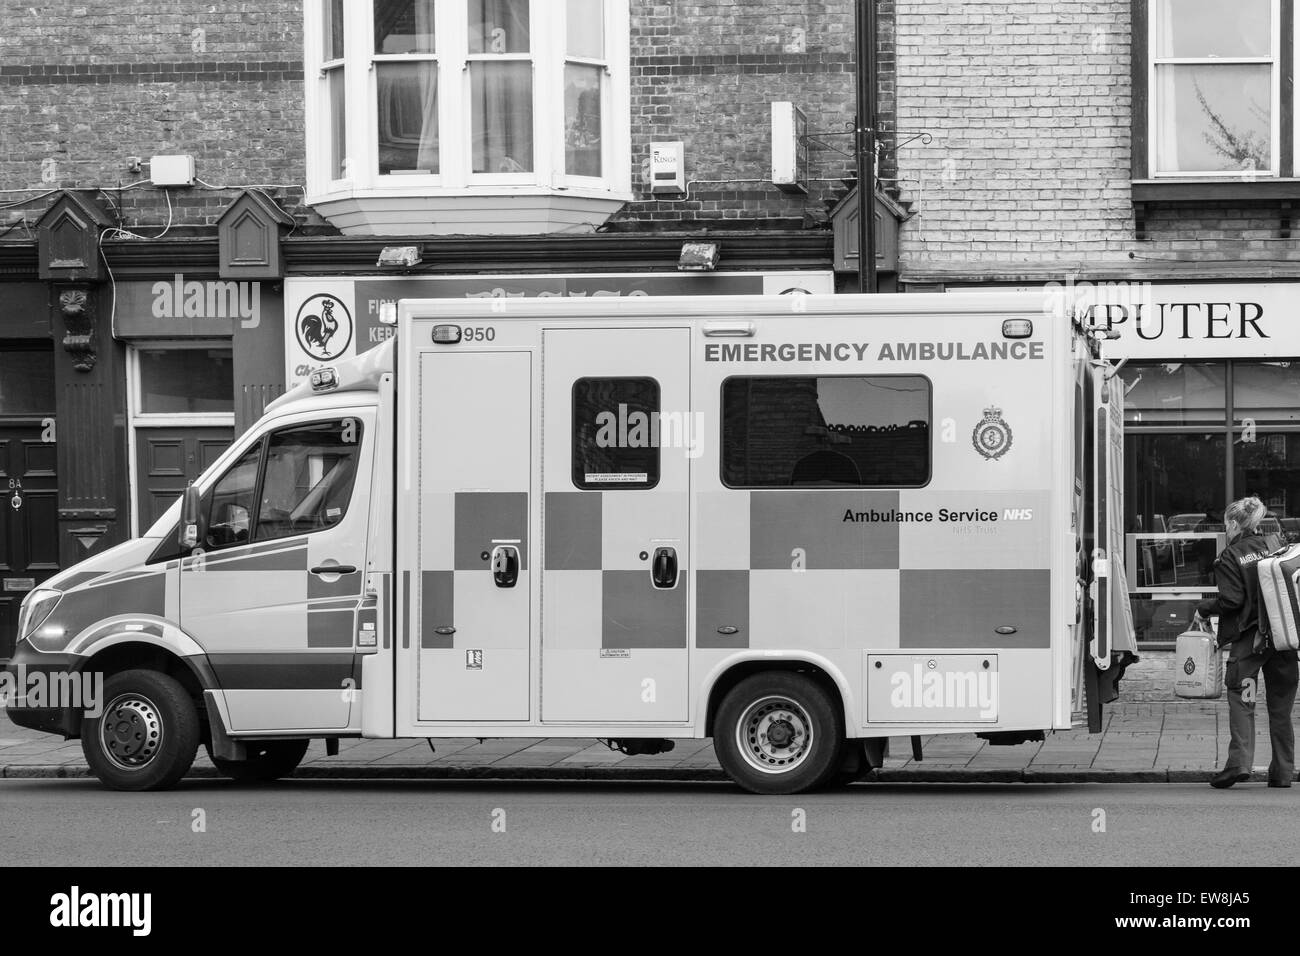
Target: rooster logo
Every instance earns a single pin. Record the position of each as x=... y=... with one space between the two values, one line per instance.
x=324 y=327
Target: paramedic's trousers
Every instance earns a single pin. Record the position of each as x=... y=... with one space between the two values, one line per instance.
x=1280 y=675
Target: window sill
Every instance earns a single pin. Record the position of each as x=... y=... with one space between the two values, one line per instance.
x=1148 y=192
x=1215 y=190
x=482 y=210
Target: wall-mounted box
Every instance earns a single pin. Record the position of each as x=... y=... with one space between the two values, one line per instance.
x=172 y=170
x=667 y=168
x=789 y=148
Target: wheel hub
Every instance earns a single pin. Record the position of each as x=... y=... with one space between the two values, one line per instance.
x=131 y=731
x=775 y=735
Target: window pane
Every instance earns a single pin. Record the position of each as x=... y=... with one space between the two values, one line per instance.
x=1158 y=618
x=1268 y=467
x=582 y=120
x=309 y=477
x=1194 y=28
x=502 y=126
x=868 y=431
x=498 y=26
x=404 y=26
x=26 y=383
x=616 y=431
x=338 y=125
x=1176 y=393
x=186 y=381
x=1266 y=392
x=1213 y=118
x=585 y=26
x=332 y=34
x=408 y=117
x=231 y=504
x=1174 y=483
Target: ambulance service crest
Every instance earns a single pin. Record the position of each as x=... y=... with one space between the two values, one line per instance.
x=1189 y=668
x=992 y=436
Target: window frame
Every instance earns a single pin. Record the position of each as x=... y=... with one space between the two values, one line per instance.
x=929 y=413
x=1275 y=113
x=263 y=446
x=1285 y=38
x=455 y=178
x=573 y=435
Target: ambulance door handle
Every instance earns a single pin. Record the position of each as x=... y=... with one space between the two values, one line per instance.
x=664 y=569
x=505 y=565
x=334 y=569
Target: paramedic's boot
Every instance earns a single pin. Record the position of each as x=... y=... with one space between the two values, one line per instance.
x=1226 y=777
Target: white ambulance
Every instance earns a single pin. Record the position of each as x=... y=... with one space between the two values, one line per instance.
x=799 y=525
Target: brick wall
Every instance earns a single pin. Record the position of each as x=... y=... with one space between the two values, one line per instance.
x=1029 y=104
x=86 y=86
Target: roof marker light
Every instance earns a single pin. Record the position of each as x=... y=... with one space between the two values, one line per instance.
x=323 y=379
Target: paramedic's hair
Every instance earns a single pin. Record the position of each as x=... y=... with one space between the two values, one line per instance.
x=1247 y=512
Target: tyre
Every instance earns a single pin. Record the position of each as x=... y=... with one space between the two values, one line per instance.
x=269 y=760
x=147 y=734
x=779 y=732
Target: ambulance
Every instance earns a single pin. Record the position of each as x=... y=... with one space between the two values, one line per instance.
x=799 y=525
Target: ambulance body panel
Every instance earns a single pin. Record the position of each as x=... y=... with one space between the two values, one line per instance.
x=600 y=518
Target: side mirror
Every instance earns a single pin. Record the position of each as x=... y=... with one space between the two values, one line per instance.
x=190 y=533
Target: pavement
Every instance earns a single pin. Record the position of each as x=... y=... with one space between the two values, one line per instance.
x=1152 y=742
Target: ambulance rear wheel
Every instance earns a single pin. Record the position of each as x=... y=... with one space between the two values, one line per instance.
x=146 y=735
x=266 y=761
x=778 y=733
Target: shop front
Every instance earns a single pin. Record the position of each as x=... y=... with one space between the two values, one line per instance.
x=198 y=351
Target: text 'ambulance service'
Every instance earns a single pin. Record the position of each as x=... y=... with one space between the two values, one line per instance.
x=799 y=525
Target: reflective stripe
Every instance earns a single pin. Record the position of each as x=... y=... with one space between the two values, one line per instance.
x=294 y=671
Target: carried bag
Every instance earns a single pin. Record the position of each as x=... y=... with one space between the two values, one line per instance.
x=1198 y=664
x=1279 y=582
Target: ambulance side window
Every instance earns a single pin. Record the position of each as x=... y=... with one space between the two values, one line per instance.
x=307 y=479
x=232 y=502
x=616 y=427
x=843 y=431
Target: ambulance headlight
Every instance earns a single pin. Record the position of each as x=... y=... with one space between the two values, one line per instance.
x=35 y=611
x=1017 y=329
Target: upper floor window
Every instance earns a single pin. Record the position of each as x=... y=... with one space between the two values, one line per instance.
x=440 y=98
x=1215 y=92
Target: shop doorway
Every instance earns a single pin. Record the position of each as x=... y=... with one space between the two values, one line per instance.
x=182 y=406
x=29 y=490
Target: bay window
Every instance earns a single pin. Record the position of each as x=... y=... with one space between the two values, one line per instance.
x=467 y=115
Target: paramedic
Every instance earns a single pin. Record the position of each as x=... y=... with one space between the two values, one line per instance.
x=1251 y=652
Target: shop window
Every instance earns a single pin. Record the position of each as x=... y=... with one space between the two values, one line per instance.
x=1175 y=393
x=869 y=431
x=186 y=381
x=26 y=382
x=467 y=100
x=1266 y=393
x=617 y=433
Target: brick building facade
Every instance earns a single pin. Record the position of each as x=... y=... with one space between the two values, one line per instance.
x=1138 y=161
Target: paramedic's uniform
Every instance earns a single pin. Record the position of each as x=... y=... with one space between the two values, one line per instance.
x=1251 y=653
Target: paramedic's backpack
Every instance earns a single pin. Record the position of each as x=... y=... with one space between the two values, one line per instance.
x=1280 y=617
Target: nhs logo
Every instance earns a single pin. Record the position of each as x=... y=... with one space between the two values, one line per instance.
x=1018 y=514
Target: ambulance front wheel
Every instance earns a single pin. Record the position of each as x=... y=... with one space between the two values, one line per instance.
x=146 y=735
x=266 y=761
x=779 y=732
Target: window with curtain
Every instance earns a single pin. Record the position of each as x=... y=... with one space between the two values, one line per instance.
x=501 y=86
x=1214 y=94
x=333 y=55
x=406 y=84
x=453 y=98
